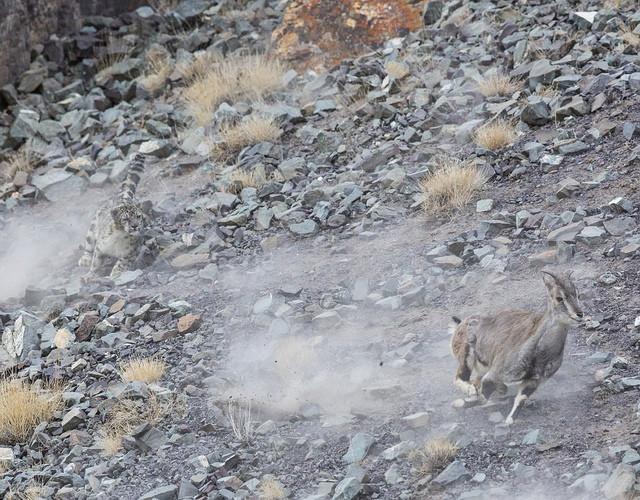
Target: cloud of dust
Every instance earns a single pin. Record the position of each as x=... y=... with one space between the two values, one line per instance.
x=37 y=244
x=283 y=373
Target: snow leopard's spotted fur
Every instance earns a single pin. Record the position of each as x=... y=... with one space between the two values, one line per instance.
x=117 y=227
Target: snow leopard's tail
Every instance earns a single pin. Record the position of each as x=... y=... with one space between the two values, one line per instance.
x=130 y=183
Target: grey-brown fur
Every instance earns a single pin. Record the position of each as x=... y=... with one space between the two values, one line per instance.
x=513 y=345
x=117 y=227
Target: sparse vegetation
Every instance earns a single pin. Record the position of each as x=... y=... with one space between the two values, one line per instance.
x=629 y=37
x=246 y=133
x=239 y=415
x=546 y=90
x=434 y=456
x=498 y=85
x=252 y=78
x=114 y=50
x=450 y=187
x=271 y=489
x=23 y=406
x=495 y=135
x=164 y=6
x=23 y=160
x=143 y=370
x=128 y=414
x=158 y=69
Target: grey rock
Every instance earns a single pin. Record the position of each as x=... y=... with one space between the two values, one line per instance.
x=620 y=484
x=551 y=163
x=592 y=235
x=23 y=336
x=629 y=129
x=325 y=320
x=58 y=184
x=620 y=225
x=305 y=228
x=25 y=125
x=347 y=489
x=209 y=272
x=536 y=113
x=573 y=148
x=448 y=261
x=620 y=204
x=542 y=72
x=455 y=472
x=566 y=233
x=416 y=420
x=432 y=12
x=72 y=419
x=491 y=228
x=484 y=205
x=32 y=79
x=161 y=493
x=531 y=437
x=359 y=447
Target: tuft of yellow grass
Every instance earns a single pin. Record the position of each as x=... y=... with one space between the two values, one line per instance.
x=434 y=456
x=629 y=37
x=238 y=135
x=33 y=491
x=501 y=85
x=251 y=77
x=115 y=50
x=23 y=407
x=126 y=415
x=451 y=187
x=495 y=135
x=271 y=489
x=158 y=69
x=143 y=370
x=239 y=415
x=23 y=160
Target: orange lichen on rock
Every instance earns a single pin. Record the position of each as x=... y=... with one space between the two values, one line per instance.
x=318 y=34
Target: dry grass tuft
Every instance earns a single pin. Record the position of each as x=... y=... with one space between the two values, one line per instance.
x=451 y=187
x=143 y=370
x=271 y=489
x=239 y=415
x=126 y=415
x=251 y=78
x=23 y=407
x=23 y=160
x=501 y=85
x=158 y=69
x=546 y=90
x=34 y=491
x=434 y=456
x=163 y=7
x=495 y=135
x=247 y=133
x=629 y=37
x=115 y=50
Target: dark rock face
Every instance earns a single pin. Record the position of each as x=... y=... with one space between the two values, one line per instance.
x=25 y=23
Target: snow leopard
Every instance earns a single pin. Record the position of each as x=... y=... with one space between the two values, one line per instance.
x=116 y=229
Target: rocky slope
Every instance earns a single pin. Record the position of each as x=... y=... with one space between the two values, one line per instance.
x=304 y=320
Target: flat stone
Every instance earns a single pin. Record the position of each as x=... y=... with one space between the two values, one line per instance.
x=592 y=235
x=484 y=205
x=448 y=261
x=629 y=250
x=416 y=420
x=621 y=204
x=358 y=448
x=305 y=228
x=327 y=319
x=58 y=184
x=209 y=272
x=620 y=225
x=188 y=260
x=455 y=472
x=161 y=493
x=566 y=233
